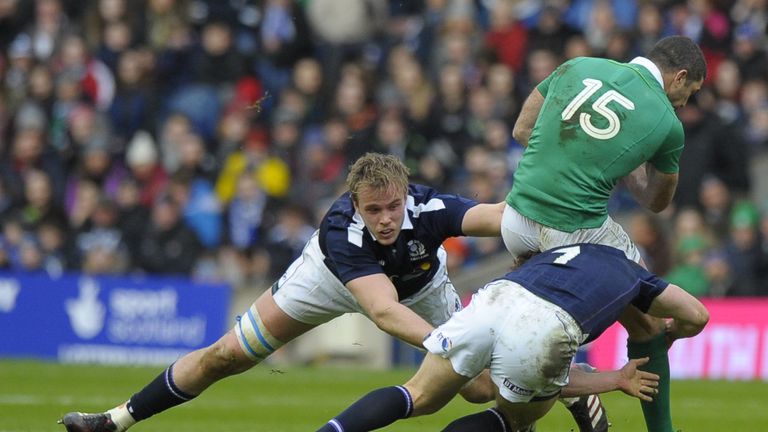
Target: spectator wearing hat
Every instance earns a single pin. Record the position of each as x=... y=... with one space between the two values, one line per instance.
x=143 y=163
x=100 y=246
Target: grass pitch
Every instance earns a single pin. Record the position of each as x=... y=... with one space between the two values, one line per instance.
x=33 y=395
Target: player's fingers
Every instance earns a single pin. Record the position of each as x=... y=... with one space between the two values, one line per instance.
x=640 y=361
x=649 y=383
x=648 y=376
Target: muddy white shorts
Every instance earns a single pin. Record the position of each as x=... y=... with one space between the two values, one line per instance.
x=522 y=235
x=310 y=293
x=527 y=342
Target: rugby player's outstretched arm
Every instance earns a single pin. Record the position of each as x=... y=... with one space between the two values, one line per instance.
x=652 y=188
x=629 y=379
x=527 y=119
x=483 y=220
x=378 y=297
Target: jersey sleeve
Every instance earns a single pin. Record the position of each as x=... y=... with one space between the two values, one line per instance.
x=650 y=288
x=667 y=158
x=543 y=86
x=351 y=261
x=447 y=221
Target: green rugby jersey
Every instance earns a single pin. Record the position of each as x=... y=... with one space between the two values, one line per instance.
x=600 y=120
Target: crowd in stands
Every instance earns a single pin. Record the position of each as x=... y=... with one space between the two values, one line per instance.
x=207 y=137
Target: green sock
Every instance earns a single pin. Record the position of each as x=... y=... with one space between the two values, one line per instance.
x=658 y=414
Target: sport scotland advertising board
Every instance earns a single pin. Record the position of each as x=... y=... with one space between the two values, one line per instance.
x=108 y=320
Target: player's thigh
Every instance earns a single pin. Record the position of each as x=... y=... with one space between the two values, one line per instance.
x=520 y=234
x=309 y=293
x=640 y=326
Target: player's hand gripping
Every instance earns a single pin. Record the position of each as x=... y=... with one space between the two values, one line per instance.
x=637 y=383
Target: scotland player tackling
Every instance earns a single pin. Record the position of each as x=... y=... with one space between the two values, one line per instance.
x=526 y=327
x=377 y=252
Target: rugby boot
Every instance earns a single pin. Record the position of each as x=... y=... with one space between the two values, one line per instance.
x=86 y=422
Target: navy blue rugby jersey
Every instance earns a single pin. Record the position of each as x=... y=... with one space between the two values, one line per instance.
x=593 y=283
x=351 y=251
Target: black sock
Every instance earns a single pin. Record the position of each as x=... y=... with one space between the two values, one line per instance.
x=490 y=420
x=157 y=396
x=375 y=410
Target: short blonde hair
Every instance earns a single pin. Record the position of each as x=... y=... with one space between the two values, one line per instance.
x=378 y=172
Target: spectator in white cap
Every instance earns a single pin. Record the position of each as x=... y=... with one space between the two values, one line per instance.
x=142 y=160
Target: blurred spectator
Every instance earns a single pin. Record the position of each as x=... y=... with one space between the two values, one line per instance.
x=39 y=201
x=168 y=245
x=131 y=108
x=142 y=160
x=550 y=32
x=54 y=245
x=27 y=154
x=271 y=173
x=507 y=37
x=284 y=39
x=48 y=28
x=100 y=246
x=343 y=27
x=393 y=137
x=217 y=63
x=132 y=216
x=690 y=273
x=744 y=253
x=198 y=204
x=286 y=239
x=647 y=232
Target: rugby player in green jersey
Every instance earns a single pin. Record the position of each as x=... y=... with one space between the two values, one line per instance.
x=590 y=124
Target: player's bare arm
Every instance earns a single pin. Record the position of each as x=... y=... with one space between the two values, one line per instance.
x=378 y=297
x=652 y=188
x=527 y=119
x=629 y=379
x=483 y=220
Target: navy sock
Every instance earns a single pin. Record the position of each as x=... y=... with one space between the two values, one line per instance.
x=375 y=410
x=490 y=420
x=157 y=396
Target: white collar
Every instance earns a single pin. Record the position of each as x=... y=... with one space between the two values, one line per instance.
x=651 y=66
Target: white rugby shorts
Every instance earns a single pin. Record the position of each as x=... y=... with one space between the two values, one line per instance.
x=308 y=292
x=527 y=342
x=523 y=235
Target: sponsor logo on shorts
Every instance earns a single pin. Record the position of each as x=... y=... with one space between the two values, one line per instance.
x=516 y=389
x=445 y=341
x=416 y=250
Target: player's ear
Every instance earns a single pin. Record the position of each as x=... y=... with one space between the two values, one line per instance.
x=681 y=77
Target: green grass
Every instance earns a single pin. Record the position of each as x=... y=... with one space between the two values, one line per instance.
x=33 y=395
